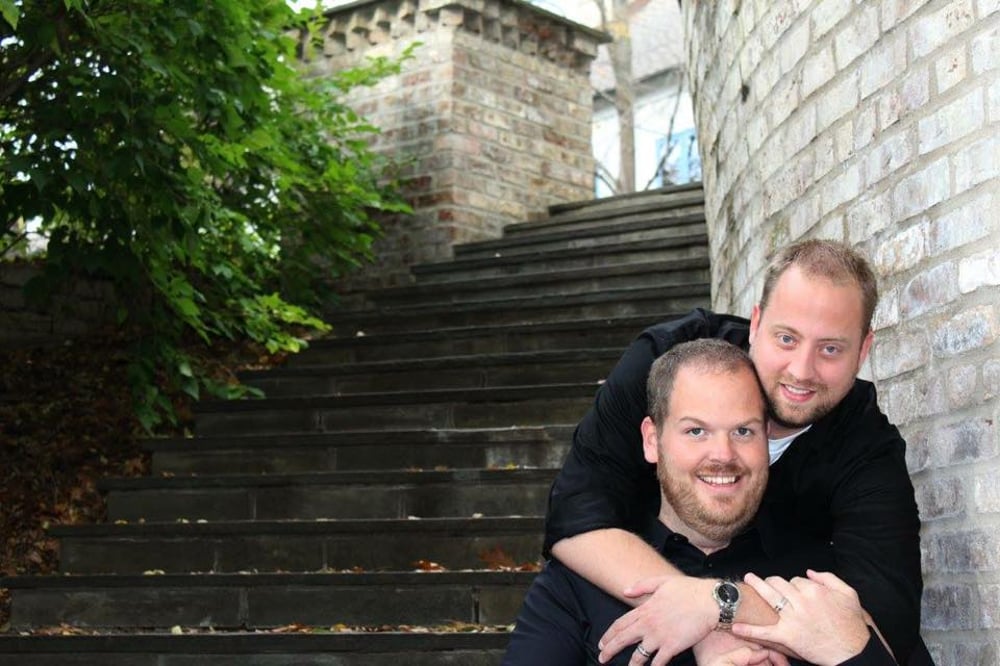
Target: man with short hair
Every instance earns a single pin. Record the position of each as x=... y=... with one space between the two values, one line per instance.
x=706 y=435
x=838 y=471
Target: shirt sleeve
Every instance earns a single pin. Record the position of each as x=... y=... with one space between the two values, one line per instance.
x=605 y=478
x=876 y=540
x=549 y=629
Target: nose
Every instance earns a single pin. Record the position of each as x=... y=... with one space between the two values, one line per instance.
x=802 y=365
x=723 y=448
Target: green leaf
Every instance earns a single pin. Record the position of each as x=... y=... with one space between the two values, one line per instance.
x=190 y=387
x=186 y=307
x=10 y=12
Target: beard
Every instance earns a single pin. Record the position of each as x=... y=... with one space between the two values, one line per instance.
x=719 y=520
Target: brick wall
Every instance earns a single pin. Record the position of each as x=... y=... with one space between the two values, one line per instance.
x=878 y=123
x=492 y=116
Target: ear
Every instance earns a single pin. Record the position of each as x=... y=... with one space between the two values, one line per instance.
x=650 y=441
x=754 y=322
x=866 y=346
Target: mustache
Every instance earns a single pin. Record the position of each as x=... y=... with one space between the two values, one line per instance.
x=722 y=469
x=809 y=386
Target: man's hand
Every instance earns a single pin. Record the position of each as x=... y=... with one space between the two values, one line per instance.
x=662 y=624
x=748 y=656
x=821 y=619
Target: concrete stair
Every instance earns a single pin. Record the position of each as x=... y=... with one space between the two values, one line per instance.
x=395 y=476
x=232 y=546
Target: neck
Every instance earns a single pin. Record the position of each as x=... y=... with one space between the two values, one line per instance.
x=703 y=543
x=777 y=431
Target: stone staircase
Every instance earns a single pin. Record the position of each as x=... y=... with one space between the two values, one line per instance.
x=427 y=430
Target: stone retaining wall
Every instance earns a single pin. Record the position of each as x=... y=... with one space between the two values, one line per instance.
x=83 y=307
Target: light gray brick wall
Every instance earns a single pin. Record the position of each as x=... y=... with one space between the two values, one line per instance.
x=878 y=123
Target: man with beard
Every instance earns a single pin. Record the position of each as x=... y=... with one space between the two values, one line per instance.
x=706 y=435
x=838 y=472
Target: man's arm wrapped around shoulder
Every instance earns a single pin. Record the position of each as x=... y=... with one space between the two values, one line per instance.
x=605 y=477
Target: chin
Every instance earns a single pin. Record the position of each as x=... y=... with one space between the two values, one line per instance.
x=797 y=418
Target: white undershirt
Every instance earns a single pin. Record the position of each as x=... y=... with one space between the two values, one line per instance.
x=776 y=447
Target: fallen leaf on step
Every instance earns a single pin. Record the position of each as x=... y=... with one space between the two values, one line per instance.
x=496 y=559
x=427 y=565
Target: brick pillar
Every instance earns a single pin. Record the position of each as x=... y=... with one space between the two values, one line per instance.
x=492 y=117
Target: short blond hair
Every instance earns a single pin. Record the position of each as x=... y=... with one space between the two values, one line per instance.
x=833 y=260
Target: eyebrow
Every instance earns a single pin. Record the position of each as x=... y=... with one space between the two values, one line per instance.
x=696 y=421
x=793 y=330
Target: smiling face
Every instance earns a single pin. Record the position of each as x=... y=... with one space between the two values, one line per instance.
x=711 y=453
x=807 y=344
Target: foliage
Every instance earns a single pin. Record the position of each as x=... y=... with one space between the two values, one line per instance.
x=174 y=147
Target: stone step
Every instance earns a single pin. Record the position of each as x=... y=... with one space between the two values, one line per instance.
x=547 y=283
x=256 y=601
x=353 y=344
x=582 y=215
x=432 y=408
x=292 y=648
x=653 y=303
x=612 y=209
x=594 y=235
x=469 y=371
x=331 y=495
x=479 y=448
x=664 y=250
x=298 y=545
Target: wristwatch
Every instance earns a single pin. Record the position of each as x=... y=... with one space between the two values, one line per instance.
x=727 y=595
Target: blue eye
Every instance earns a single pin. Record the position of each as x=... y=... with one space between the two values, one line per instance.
x=744 y=432
x=697 y=432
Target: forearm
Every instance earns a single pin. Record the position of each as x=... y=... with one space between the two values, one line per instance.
x=613 y=560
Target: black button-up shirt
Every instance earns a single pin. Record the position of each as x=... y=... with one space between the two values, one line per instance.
x=844 y=480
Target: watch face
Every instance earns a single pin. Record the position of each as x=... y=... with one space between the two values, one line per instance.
x=728 y=593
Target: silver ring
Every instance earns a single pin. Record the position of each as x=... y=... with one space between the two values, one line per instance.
x=643 y=651
x=781 y=604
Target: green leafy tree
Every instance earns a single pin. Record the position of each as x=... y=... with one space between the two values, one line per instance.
x=174 y=147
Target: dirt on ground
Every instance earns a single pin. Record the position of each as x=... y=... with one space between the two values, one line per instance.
x=66 y=421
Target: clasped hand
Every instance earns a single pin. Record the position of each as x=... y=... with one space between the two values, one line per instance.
x=661 y=625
